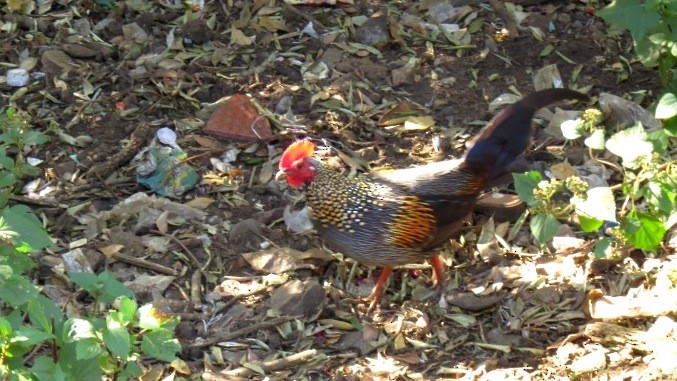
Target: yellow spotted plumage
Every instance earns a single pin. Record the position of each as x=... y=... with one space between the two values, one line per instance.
x=335 y=200
x=413 y=224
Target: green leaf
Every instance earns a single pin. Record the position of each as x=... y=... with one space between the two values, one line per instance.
x=631 y=15
x=525 y=183
x=147 y=318
x=20 y=262
x=31 y=233
x=30 y=336
x=630 y=144
x=572 y=129
x=88 y=348
x=7 y=179
x=46 y=315
x=116 y=338
x=81 y=369
x=160 y=345
x=112 y=288
x=5 y=328
x=131 y=370
x=596 y=139
x=660 y=140
x=45 y=369
x=88 y=281
x=127 y=309
x=659 y=196
x=15 y=290
x=667 y=106
x=589 y=224
x=599 y=204
x=643 y=230
x=670 y=126
x=602 y=248
x=34 y=137
x=544 y=226
x=79 y=329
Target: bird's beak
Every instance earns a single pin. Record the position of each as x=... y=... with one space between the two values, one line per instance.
x=281 y=175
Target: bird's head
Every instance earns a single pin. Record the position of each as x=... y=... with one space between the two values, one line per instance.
x=297 y=165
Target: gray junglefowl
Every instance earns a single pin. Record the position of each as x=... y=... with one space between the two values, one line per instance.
x=388 y=219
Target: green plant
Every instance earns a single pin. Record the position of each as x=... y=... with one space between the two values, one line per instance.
x=653 y=27
x=647 y=194
x=16 y=132
x=38 y=341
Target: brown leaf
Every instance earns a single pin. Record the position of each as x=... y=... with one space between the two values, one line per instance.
x=399 y=113
x=471 y=302
x=283 y=259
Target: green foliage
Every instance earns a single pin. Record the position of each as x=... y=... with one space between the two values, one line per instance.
x=16 y=132
x=653 y=27
x=69 y=348
x=638 y=209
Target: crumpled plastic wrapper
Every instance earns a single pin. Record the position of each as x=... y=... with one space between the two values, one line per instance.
x=161 y=167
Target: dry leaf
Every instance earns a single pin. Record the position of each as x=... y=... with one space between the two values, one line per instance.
x=161 y=222
x=200 y=203
x=280 y=260
x=562 y=171
x=207 y=142
x=418 y=123
x=266 y=172
x=109 y=250
x=399 y=113
x=237 y=37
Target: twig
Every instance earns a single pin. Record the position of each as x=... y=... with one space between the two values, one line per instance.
x=91 y=185
x=244 y=331
x=138 y=139
x=185 y=249
x=40 y=203
x=196 y=288
x=286 y=362
x=144 y=264
x=225 y=306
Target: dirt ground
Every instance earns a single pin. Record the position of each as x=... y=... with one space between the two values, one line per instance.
x=117 y=75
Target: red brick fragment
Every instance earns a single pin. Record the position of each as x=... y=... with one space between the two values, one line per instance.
x=238 y=119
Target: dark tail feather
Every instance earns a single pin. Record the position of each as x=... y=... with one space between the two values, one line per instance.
x=507 y=135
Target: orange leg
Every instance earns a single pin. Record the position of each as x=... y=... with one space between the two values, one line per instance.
x=378 y=287
x=438 y=269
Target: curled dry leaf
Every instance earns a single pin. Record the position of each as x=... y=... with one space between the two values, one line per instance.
x=283 y=259
x=471 y=302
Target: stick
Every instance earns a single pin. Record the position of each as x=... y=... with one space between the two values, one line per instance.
x=144 y=264
x=243 y=331
x=272 y=365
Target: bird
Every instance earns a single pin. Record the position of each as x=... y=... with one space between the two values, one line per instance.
x=392 y=218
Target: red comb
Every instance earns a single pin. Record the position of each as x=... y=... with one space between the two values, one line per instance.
x=297 y=150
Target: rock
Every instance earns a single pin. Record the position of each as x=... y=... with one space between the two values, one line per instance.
x=248 y=231
x=17 y=77
x=374 y=32
x=146 y=221
x=238 y=119
x=76 y=262
x=407 y=74
x=298 y=297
